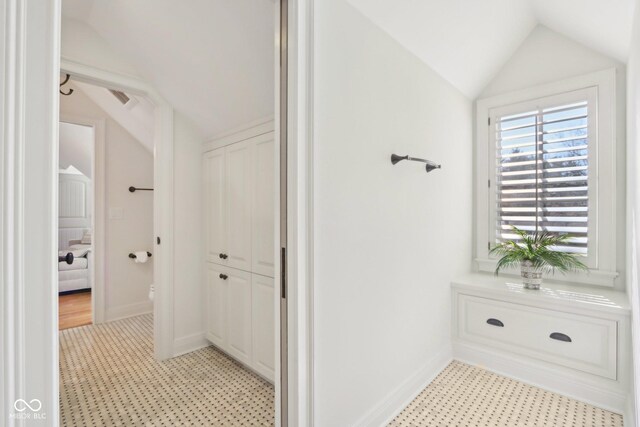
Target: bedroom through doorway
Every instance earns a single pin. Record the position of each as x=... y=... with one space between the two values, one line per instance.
x=75 y=225
x=106 y=204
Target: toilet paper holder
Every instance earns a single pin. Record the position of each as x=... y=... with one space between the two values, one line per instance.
x=133 y=256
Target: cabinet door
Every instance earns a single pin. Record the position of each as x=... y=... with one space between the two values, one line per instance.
x=263 y=214
x=216 y=305
x=239 y=314
x=263 y=309
x=238 y=206
x=214 y=206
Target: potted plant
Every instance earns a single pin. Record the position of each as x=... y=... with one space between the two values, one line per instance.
x=535 y=255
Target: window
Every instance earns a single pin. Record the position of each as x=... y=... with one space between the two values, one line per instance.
x=546 y=156
x=542 y=173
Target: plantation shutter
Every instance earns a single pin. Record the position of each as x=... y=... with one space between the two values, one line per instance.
x=542 y=171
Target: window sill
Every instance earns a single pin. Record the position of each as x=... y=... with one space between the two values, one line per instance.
x=592 y=278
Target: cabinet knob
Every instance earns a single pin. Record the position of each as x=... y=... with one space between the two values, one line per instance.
x=223 y=256
x=223 y=276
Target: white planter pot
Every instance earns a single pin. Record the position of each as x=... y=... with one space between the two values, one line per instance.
x=531 y=276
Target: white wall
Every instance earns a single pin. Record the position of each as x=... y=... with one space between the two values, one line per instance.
x=388 y=239
x=188 y=240
x=633 y=199
x=127 y=163
x=76 y=147
x=545 y=57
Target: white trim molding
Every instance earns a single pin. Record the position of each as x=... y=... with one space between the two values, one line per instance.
x=29 y=57
x=602 y=213
x=300 y=213
x=400 y=397
x=99 y=210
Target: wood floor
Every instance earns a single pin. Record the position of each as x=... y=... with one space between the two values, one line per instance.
x=74 y=310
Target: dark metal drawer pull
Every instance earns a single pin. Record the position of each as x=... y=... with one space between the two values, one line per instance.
x=560 y=337
x=495 y=322
x=223 y=276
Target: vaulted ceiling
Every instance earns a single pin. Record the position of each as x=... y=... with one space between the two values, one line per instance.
x=213 y=60
x=468 y=41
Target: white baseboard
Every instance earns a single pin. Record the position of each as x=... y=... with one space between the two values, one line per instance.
x=597 y=393
x=128 y=310
x=189 y=343
x=387 y=409
x=629 y=416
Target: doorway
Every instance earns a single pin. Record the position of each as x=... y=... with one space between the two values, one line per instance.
x=41 y=118
x=76 y=207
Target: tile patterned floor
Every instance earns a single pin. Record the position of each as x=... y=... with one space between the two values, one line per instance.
x=464 y=395
x=108 y=377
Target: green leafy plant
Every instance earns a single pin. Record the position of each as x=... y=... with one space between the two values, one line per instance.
x=537 y=249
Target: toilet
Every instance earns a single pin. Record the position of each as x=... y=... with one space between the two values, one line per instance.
x=151 y=290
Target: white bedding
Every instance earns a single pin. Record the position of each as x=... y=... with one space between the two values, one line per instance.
x=76 y=275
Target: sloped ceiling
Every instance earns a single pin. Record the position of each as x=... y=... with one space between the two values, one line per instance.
x=136 y=117
x=213 y=60
x=468 y=41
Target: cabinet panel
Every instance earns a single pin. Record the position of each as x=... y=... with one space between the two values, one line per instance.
x=263 y=325
x=217 y=305
x=263 y=207
x=238 y=205
x=214 y=205
x=579 y=342
x=239 y=314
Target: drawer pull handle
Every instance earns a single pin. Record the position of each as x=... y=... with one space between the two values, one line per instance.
x=560 y=337
x=495 y=322
x=223 y=276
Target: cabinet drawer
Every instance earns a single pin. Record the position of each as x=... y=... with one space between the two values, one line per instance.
x=584 y=343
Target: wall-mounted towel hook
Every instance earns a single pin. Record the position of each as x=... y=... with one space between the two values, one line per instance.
x=133 y=189
x=430 y=165
x=64 y=82
x=133 y=256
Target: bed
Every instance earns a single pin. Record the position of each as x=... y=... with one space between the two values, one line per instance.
x=77 y=275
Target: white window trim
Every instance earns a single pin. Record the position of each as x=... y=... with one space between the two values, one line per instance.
x=603 y=262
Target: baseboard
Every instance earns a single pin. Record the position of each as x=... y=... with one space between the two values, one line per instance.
x=189 y=343
x=594 y=392
x=128 y=310
x=629 y=416
x=387 y=409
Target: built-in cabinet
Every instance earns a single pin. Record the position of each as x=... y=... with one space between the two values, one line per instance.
x=239 y=184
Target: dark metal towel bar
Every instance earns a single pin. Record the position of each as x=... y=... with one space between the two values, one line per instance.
x=430 y=165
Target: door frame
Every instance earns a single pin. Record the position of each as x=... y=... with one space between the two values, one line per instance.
x=163 y=194
x=299 y=216
x=98 y=213
x=29 y=117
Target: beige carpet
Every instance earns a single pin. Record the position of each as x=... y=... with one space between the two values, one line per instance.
x=464 y=395
x=108 y=377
